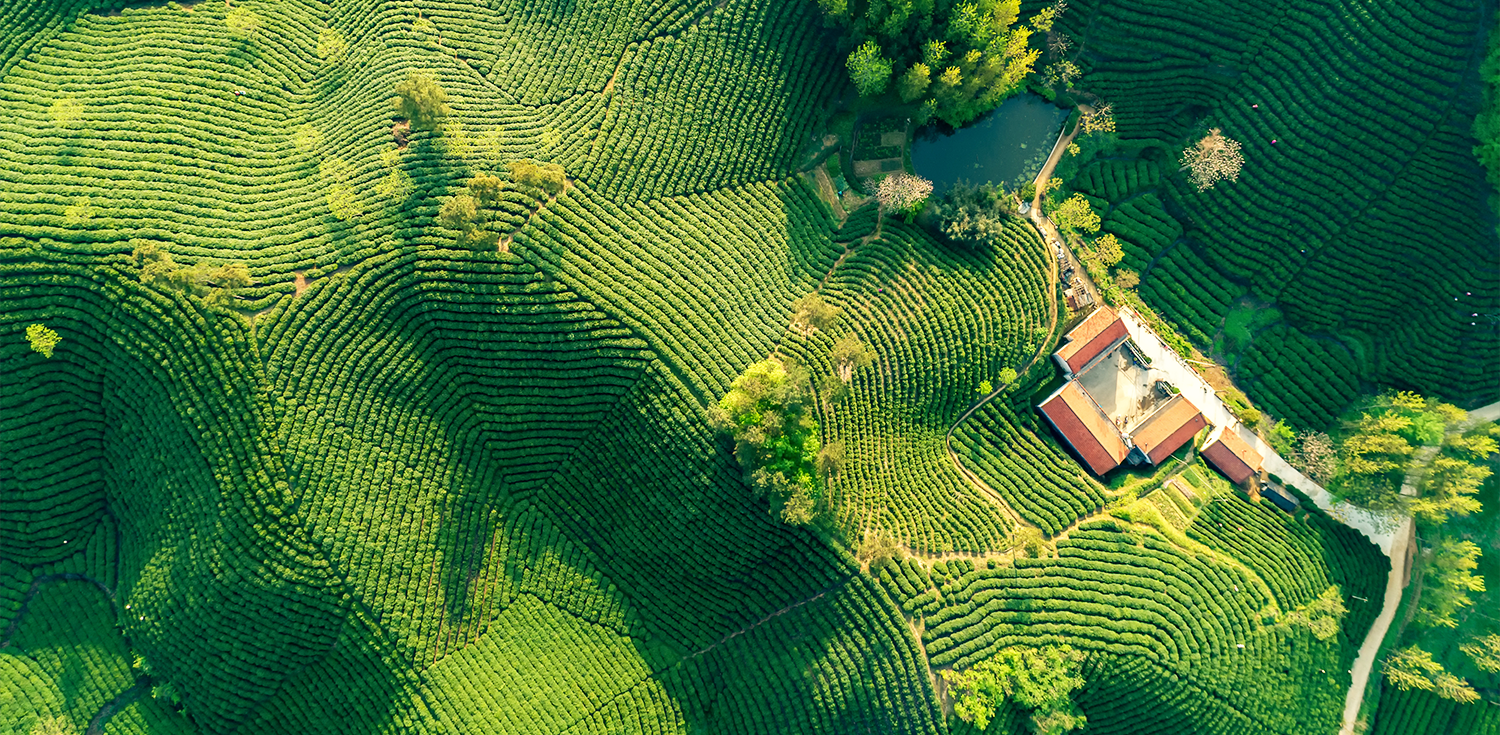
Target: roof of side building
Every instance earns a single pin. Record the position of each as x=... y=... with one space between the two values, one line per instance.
x=1091 y=338
x=1086 y=428
x=1232 y=455
x=1169 y=428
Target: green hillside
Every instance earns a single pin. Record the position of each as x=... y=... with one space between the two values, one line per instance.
x=313 y=454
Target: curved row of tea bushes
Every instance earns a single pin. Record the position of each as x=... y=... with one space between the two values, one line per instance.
x=1416 y=711
x=1309 y=382
x=1034 y=476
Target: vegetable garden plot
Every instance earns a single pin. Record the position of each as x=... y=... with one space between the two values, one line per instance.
x=1335 y=174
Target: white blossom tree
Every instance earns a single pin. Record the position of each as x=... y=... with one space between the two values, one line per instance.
x=902 y=192
x=1213 y=159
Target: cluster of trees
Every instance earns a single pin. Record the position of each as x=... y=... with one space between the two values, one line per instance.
x=1447 y=581
x=973 y=215
x=1373 y=460
x=961 y=59
x=1413 y=668
x=215 y=284
x=768 y=412
x=1040 y=679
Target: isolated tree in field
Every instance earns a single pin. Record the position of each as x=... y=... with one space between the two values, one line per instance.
x=460 y=213
x=331 y=45
x=1076 y=214
x=1413 y=668
x=1322 y=616
x=902 y=192
x=1213 y=159
x=65 y=111
x=549 y=177
x=850 y=354
x=1040 y=679
x=43 y=340
x=1485 y=652
x=914 y=82
x=420 y=100
x=1007 y=376
x=811 y=313
x=877 y=548
x=242 y=23
x=869 y=69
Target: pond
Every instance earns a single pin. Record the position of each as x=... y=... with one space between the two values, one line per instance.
x=1009 y=144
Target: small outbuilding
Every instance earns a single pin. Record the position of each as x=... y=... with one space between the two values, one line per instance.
x=1231 y=455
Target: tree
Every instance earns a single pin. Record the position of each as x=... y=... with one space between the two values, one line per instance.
x=1485 y=652
x=420 y=100
x=43 y=340
x=1108 y=248
x=1413 y=668
x=1100 y=120
x=1007 y=375
x=343 y=203
x=1213 y=159
x=811 y=313
x=331 y=45
x=1315 y=457
x=869 y=69
x=831 y=458
x=902 y=192
x=1061 y=74
x=486 y=189
x=242 y=23
x=914 y=82
x=1372 y=462
x=1040 y=679
x=877 y=548
x=1448 y=490
x=1075 y=213
x=460 y=213
x=1322 y=616
x=52 y=725
x=850 y=354
x=548 y=177
x=1452 y=581
x=1127 y=278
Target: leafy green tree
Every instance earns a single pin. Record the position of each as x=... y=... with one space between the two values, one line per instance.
x=1075 y=213
x=332 y=46
x=421 y=100
x=1448 y=490
x=811 y=313
x=486 y=189
x=460 y=213
x=776 y=437
x=1450 y=572
x=1322 y=616
x=1040 y=679
x=43 y=340
x=52 y=725
x=1485 y=652
x=914 y=82
x=973 y=216
x=869 y=69
x=1109 y=250
x=242 y=23
x=1007 y=375
x=548 y=177
x=850 y=354
x=1413 y=668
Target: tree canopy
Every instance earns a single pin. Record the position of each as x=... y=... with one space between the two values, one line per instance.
x=1040 y=679
x=421 y=100
x=776 y=436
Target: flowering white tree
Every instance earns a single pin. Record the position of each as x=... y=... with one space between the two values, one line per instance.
x=1212 y=160
x=902 y=192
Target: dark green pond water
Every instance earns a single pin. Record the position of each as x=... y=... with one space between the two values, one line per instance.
x=1008 y=145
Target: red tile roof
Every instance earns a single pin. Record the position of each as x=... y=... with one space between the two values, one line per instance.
x=1232 y=455
x=1169 y=428
x=1092 y=337
x=1086 y=428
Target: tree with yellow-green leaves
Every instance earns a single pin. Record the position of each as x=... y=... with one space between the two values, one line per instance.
x=43 y=340
x=1413 y=668
x=1075 y=214
x=420 y=99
